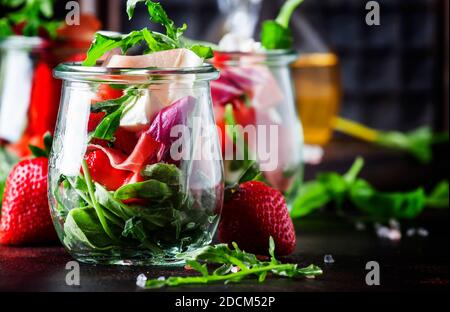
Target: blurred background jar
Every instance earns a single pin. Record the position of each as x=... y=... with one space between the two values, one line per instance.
x=318 y=94
x=255 y=93
x=29 y=95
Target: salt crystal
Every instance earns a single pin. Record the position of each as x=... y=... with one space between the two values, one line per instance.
x=161 y=278
x=235 y=269
x=391 y=234
x=411 y=232
x=141 y=280
x=310 y=276
x=360 y=226
x=422 y=232
x=328 y=259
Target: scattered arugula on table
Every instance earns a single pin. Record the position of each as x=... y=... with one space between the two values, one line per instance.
x=235 y=265
x=333 y=187
x=275 y=34
x=36 y=14
x=154 y=41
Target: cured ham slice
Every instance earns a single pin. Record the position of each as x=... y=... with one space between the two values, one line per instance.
x=175 y=58
x=158 y=96
x=153 y=143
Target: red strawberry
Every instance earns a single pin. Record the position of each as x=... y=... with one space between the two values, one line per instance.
x=102 y=172
x=125 y=140
x=255 y=212
x=106 y=92
x=245 y=115
x=94 y=120
x=25 y=215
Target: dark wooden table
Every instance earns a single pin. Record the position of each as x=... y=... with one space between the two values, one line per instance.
x=413 y=263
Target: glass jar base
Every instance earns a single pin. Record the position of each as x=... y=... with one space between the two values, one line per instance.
x=137 y=260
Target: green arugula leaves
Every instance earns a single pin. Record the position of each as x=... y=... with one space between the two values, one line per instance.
x=153 y=40
x=333 y=187
x=275 y=34
x=235 y=265
x=152 y=215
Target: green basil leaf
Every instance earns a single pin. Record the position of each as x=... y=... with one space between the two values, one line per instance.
x=312 y=195
x=166 y=173
x=150 y=189
x=83 y=226
x=387 y=205
x=107 y=200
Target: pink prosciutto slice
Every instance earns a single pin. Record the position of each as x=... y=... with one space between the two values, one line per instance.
x=154 y=143
x=223 y=92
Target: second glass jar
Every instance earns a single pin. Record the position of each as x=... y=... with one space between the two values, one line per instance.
x=255 y=93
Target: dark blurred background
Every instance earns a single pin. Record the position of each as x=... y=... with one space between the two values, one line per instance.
x=393 y=75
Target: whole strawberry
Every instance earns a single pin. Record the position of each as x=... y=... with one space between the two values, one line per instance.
x=253 y=213
x=25 y=215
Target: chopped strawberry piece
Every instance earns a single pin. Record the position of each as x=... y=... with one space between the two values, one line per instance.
x=94 y=120
x=125 y=140
x=245 y=115
x=106 y=92
x=102 y=172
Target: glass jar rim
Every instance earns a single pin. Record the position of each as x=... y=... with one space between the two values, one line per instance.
x=266 y=57
x=21 y=42
x=75 y=71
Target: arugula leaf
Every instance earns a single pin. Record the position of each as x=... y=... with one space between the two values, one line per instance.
x=248 y=264
x=106 y=129
x=332 y=187
x=83 y=226
x=155 y=41
x=5 y=28
x=386 y=205
x=418 y=142
x=149 y=189
x=439 y=197
x=202 y=51
x=135 y=228
x=275 y=34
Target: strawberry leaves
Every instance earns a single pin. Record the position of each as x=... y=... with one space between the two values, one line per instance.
x=235 y=265
x=39 y=152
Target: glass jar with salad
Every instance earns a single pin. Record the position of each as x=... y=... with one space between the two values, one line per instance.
x=254 y=105
x=255 y=92
x=31 y=45
x=135 y=172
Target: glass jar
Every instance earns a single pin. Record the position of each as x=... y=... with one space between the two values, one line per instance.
x=135 y=172
x=26 y=64
x=255 y=91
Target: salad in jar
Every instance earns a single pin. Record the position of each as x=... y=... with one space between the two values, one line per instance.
x=135 y=172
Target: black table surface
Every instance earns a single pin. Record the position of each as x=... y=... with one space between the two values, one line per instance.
x=413 y=263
